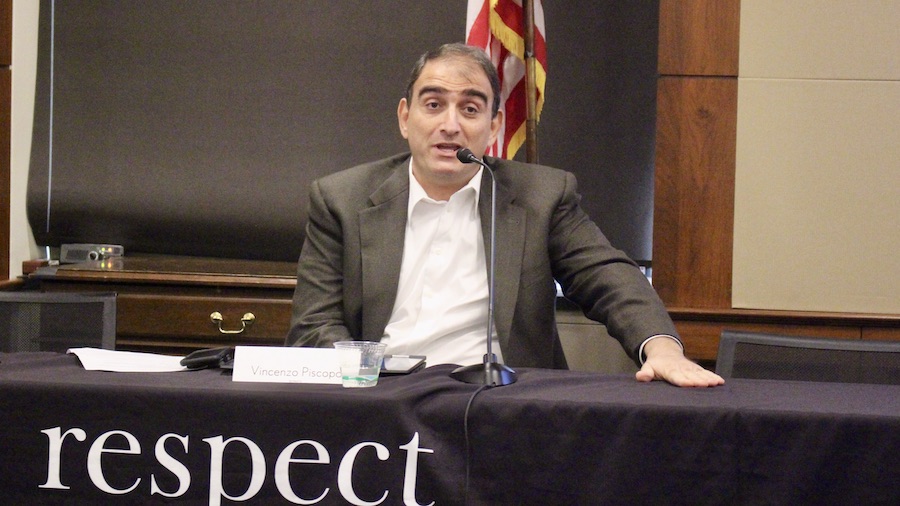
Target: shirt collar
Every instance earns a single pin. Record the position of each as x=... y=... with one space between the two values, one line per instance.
x=417 y=193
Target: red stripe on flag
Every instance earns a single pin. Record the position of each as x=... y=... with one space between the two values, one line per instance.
x=480 y=31
x=515 y=109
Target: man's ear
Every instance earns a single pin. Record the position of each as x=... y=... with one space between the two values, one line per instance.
x=496 y=123
x=403 y=116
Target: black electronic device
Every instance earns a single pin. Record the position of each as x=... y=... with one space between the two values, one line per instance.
x=210 y=358
x=402 y=364
x=76 y=253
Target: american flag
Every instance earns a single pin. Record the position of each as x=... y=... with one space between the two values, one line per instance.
x=498 y=27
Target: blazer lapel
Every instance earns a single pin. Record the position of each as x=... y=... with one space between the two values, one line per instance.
x=382 y=228
x=510 y=247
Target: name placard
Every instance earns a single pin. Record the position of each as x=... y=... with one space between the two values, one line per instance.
x=283 y=364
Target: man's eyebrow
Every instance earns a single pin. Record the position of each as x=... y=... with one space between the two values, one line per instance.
x=432 y=89
x=476 y=94
x=469 y=92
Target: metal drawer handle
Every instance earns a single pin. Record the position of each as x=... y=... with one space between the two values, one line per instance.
x=246 y=321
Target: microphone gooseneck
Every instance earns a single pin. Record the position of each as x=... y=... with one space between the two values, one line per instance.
x=491 y=372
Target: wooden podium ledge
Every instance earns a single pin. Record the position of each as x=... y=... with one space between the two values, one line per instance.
x=173 y=270
x=782 y=317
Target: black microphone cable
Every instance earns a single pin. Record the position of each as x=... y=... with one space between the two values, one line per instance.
x=466 y=437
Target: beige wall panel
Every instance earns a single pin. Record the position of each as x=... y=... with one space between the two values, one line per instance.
x=817 y=196
x=820 y=39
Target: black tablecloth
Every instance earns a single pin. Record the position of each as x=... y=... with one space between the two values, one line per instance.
x=554 y=437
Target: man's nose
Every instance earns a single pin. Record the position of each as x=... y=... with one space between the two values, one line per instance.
x=450 y=121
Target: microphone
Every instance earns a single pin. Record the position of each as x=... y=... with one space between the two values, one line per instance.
x=490 y=373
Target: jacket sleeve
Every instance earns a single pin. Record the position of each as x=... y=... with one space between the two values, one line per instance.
x=317 y=318
x=601 y=279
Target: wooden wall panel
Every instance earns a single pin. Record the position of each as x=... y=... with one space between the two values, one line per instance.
x=882 y=333
x=693 y=220
x=701 y=339
x=5 y=131
x=699 y=37
x=5 y=33
x=694 y=199
x=5 y=119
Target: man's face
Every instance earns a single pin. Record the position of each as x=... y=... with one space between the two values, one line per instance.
x=449 y=108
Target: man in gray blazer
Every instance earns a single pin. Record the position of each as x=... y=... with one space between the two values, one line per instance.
x=396 y=249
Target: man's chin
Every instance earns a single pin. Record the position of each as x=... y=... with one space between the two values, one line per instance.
x=455 y=172
x=446 y=166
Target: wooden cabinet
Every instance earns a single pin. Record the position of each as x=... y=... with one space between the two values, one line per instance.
x=166 y=304
x=200 y=321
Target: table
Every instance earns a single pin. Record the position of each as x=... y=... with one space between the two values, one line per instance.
x=554 y=437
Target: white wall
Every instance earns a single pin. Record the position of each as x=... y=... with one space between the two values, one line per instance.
x=24 y=64
x=817 y=195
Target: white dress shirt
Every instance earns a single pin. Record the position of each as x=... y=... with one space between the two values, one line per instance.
x=441 y=308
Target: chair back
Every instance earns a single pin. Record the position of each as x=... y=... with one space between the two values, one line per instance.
x=56 y=321
x=773 y=356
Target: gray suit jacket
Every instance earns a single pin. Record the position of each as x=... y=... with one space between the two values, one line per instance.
x=349 y=266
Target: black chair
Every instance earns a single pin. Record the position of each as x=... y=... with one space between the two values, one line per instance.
x=56 y=321
x=772 y=356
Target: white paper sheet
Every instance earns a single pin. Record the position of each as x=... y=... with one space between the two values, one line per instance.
x=96 y=359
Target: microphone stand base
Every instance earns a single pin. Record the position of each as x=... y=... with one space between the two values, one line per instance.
x=491 y=374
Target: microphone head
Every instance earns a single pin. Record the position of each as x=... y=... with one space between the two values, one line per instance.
x=465 y=155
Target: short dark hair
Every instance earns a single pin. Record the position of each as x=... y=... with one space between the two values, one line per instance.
x=462 y=51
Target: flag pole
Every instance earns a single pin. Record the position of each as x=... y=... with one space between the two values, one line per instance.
x=530 y=84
